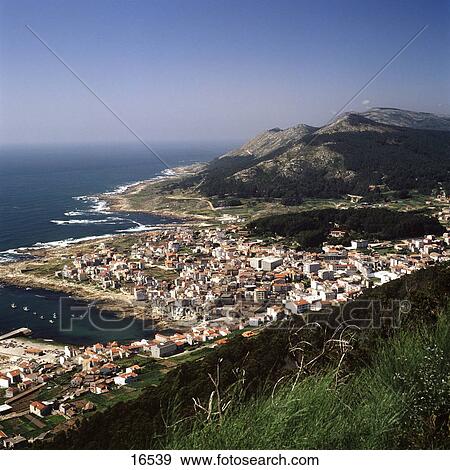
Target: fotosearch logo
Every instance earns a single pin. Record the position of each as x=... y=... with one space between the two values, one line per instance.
x=74 y=313
x=360 y=313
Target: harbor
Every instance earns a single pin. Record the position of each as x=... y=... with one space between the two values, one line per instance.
x=51 y=316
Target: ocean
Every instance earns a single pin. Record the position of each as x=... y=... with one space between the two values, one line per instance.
x=47 y=198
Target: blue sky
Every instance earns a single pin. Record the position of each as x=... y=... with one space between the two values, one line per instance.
x=211 y=70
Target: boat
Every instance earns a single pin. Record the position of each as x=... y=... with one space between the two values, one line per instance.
x=13 y=306
x=41 y=317
x=51 y=321
x=34 y=313
x=26 y=309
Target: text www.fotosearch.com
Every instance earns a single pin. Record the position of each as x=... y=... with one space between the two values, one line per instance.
x=224 y=460
x=262 y=460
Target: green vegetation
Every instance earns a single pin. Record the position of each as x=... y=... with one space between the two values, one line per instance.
x=310 y=229
x=55 y=388
x=381 y=406
x=46 y=267
x=30 y=426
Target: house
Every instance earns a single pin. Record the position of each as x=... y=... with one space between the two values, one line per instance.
x=310 y=268
x=98 y=388
x=359 y=244
x=14 y=376
x=255 y=321
x=270 y=263
x=163 y=349
x=40 y=409
x=11 y=391
x=140 y=294
x=124 y=379
x=5 y=409
x=136 y=369
x=108 y=368
x=76 y=381
x=15 y=442
x=76 y=407
x=4 y=381
x=297 y=306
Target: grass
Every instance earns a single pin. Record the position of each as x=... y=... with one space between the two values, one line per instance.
x=57 y=386
x=394 y=402
x=109 y=399
x=46 y=267
x=27 y=428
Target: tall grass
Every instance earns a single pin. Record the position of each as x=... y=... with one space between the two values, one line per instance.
x=400 y=400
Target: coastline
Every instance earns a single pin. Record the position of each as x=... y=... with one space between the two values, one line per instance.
x=34 y=266
x=156 y=200
x=28 y=273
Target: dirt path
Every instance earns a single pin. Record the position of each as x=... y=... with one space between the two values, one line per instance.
x=187 y=198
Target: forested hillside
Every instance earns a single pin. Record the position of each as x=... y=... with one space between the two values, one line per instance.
x=311 y=228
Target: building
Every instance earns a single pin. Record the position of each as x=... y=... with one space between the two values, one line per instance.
x=4 y=381
x=256 y=263
x=359 y=244
x=5 y=409
x=297 y=306
x=14 y=376
x=15 y=442
x=136 y=369
x=270 y=263
x=260 y=294
x=163 y=349
x=310 y=268
x=124 y=379
x=140 y=294
x=39 y=409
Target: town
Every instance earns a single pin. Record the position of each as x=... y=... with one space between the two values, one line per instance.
x=213 y=282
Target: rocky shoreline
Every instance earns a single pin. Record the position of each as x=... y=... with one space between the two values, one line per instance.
x=28 y=273
x=122 y=201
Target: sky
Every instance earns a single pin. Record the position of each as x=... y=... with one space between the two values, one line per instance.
x=198 y=70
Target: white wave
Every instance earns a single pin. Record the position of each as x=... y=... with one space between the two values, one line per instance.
x=99 y=207
x=107 y=221
x=74 y=213
x=123 y=187
x=67 y=241
x=7 y=258
x=141 y=228
x=15 y=254
x=96 y=205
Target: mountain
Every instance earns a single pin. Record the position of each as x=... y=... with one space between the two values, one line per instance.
x=272 y=141
x=413 y=119
x=353 y=154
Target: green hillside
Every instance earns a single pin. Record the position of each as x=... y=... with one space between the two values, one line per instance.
x=311 y=228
